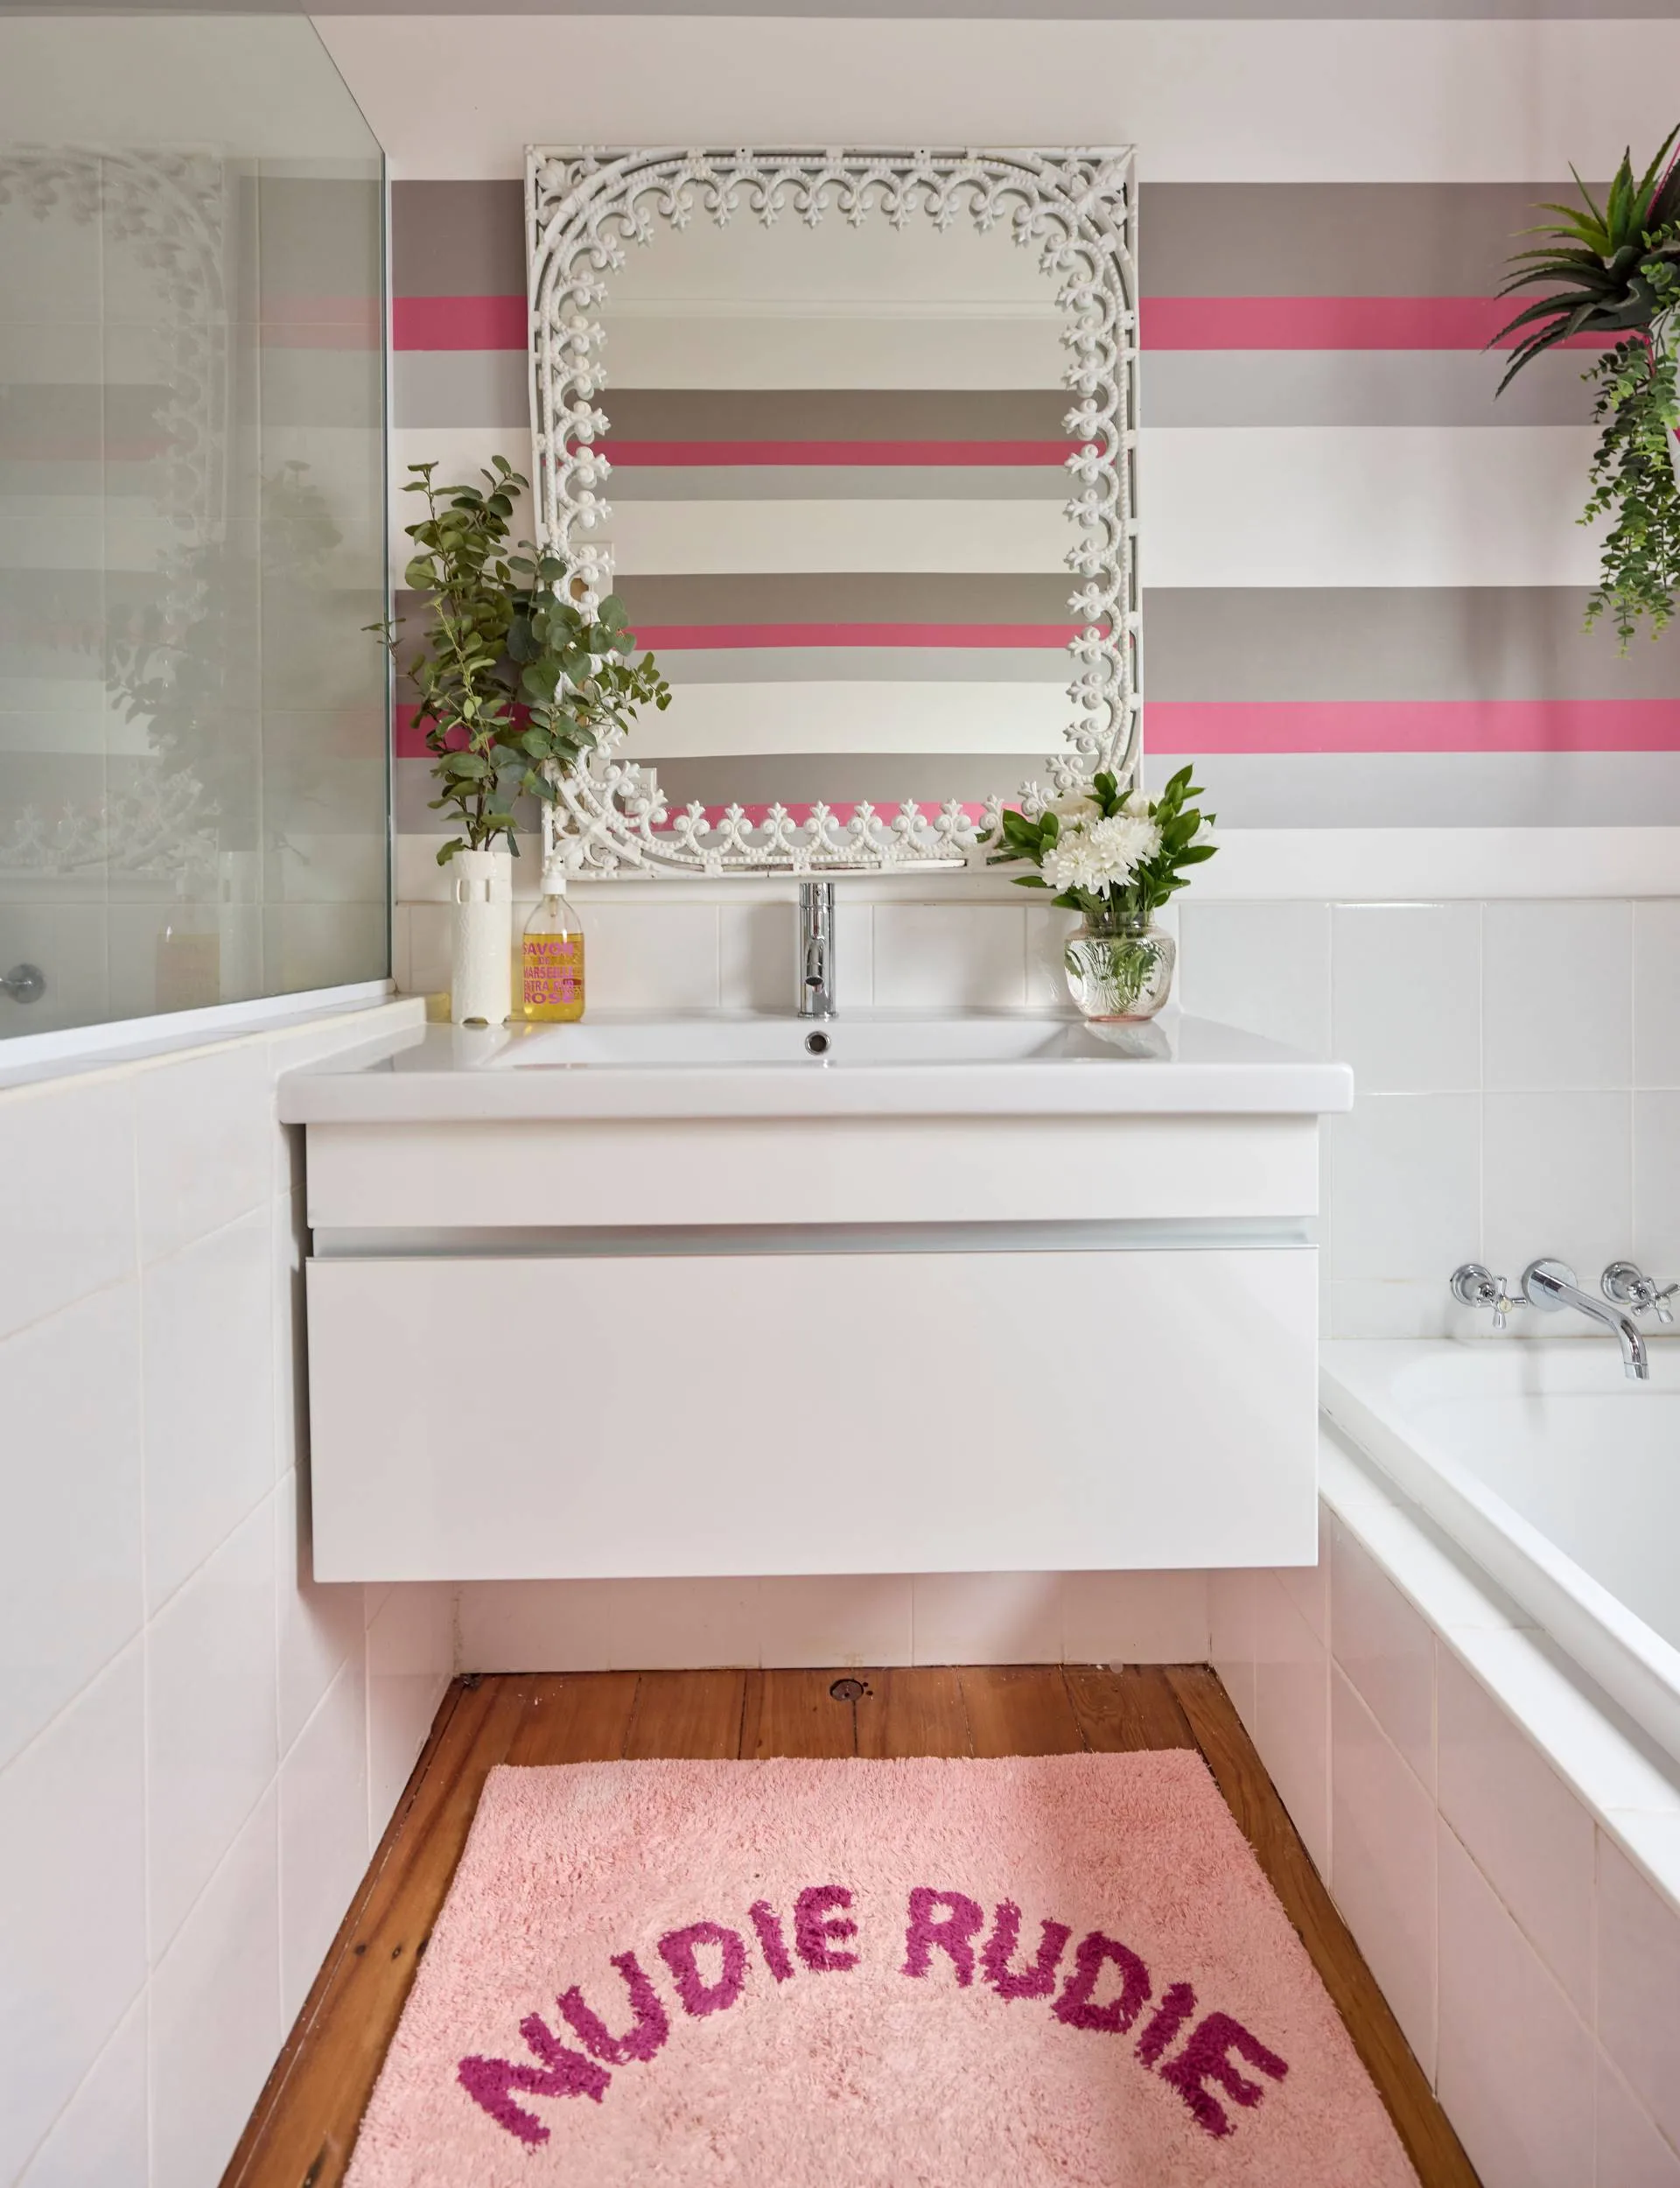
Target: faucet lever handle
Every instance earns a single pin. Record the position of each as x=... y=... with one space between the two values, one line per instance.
x=1473 y=1286
x=1628 y=1284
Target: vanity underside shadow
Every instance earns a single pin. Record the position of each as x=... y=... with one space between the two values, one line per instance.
x=302 y=2131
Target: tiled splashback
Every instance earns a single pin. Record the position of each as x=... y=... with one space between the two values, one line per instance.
x=1517 y=1063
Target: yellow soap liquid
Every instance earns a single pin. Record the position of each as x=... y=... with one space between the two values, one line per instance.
x=548 y=970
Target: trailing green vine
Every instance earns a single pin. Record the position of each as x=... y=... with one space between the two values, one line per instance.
x=1614 y=270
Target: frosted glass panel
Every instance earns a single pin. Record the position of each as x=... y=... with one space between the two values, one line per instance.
x=193 y=725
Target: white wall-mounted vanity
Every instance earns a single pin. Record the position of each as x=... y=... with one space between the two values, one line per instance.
x=965 y=1293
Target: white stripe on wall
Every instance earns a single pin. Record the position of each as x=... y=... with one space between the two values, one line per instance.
x=1295 y=101
x=832 y=351
x=896 y=718
x=1222 y=506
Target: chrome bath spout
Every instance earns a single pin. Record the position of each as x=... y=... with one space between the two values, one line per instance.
x=1551 y=1285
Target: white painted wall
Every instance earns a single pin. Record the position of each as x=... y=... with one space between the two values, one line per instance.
x=199 y=1747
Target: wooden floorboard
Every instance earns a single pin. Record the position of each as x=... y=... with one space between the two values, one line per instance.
x=913 y=1710
x=687 y=1717
x=303 y=2127
x=1423 y=2127
x=1019 y=1709
x=796 y=1712
x=575 y=1717
x=1126 y=1712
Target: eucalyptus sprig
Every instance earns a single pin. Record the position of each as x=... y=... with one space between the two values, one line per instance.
x=1115 y=855
x=512 y=680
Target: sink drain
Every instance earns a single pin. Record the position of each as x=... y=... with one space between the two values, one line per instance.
x=848 y=1690
x=817 y=1044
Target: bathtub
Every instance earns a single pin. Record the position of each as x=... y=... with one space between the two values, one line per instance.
x=1556 y=1474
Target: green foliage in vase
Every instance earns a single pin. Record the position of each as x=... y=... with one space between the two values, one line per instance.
x=1615 y=271
x=513 y=682
x=1115 y=855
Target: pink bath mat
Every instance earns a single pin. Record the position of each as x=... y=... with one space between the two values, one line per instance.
x=1060 y=1969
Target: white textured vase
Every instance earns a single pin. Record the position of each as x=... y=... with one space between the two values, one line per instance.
x=481 y=946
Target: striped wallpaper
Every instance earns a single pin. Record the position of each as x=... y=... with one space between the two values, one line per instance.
x=1367 y=585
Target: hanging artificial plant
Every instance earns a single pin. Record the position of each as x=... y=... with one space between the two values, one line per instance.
x=1614 y=272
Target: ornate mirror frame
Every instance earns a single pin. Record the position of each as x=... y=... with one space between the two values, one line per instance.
x=1078 y=208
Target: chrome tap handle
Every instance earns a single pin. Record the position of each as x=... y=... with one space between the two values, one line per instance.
x=1628 y=1284
x=1473 y=1286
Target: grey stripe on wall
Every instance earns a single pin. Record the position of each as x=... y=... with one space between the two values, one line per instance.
x=1434 y=790
x=1391 y=642
x=449 y=388
x=862 y=597
x=1200 y=238
x=867 y=664
x=1409 y=789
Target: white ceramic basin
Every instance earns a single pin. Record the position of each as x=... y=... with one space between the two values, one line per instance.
x=813 y=1045
x=864 y=1064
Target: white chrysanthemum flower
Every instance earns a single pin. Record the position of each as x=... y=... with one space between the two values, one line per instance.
x=1103 y=855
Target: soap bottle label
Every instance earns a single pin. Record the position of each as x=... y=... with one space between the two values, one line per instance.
x=553 y=971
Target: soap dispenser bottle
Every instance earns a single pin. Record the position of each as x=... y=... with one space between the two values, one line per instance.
x=549 y=980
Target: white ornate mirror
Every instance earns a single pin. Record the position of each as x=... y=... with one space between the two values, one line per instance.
x=853 y=434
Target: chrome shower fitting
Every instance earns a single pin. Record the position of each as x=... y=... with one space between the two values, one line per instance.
x=25 y=984
x=1627 y=1284
x=1472 y=1285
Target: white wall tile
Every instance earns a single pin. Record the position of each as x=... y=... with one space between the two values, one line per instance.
x=1387 y=1651
x=323 y=1832
x=99 y=2139
x=1630 y=2151
x=1263 y=967
x=1406 y=996
x=211 y=1739
x=215 y=2012
x=650 y=957
x=949 y=955
x=834 y=1618
x=987 y=1618
x=1639 y=1986
x=1291 y=1712
x=70 y=1571
x=758 y=946
x=410 y=1652
x=68 y=1220
x=208 y=1379
x=854 y=936
x=1383 y=1865
x=1516 y=2065
x=429 y=931
x=1400 y=1307
x=1558 y=1180
x=1404 y=1186
x=203 y=1141
x=1656 y=993
x=290 y=1239
x=1557 y=995
x=534 y=1625
x=1655 y=1231
x=1135 y=1617
x=1308 y=1585
x=1230 y=1618
x=1527 y=1832
x=72 y=1900
x=659 y=1625
x=321 y=1624
x=1047 y=932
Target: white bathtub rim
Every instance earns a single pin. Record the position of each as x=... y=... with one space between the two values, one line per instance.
x=1612 y=1766
x=1635 y=1667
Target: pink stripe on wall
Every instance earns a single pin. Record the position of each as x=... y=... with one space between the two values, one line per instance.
x=1168 y=323
x=1329 y=323
x=1253 y=726
x=708 y=637
x=458 y=322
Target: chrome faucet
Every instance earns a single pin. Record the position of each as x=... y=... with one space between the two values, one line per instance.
x=816 y=993
x=1551 y=1285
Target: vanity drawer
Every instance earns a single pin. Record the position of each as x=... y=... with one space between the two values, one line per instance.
x=653 y=1415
